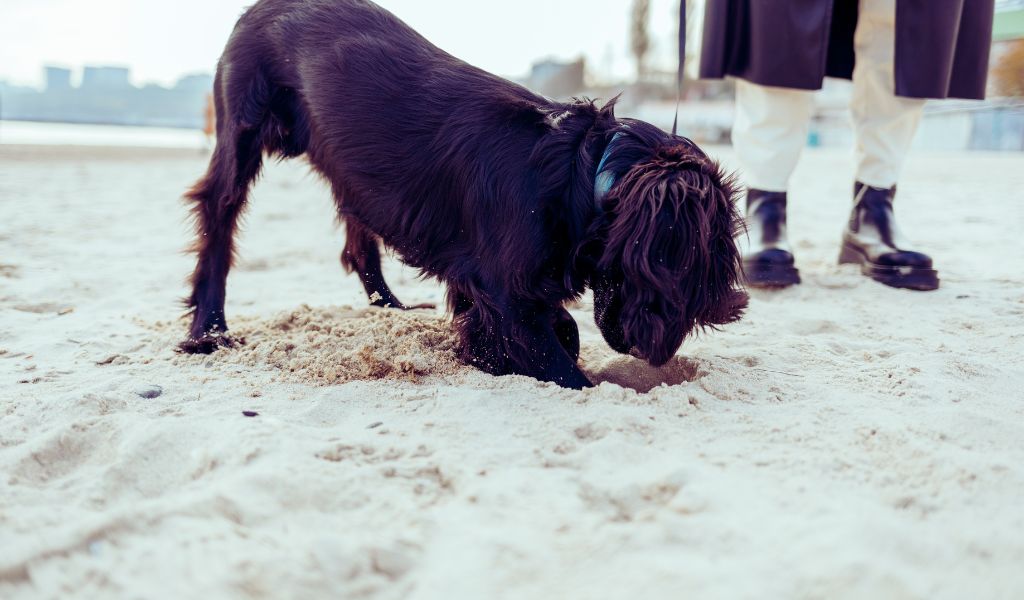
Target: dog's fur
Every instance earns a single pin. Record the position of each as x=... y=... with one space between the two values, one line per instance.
x=474 y=180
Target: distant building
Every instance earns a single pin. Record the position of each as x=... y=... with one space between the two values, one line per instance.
x=105 y=78
x=1009 y=22
x=8 y=88
x=106 y=96
x=557 y=79
x=197 y=82
x=58 y=79
x=999 y=125
x=1007 y=31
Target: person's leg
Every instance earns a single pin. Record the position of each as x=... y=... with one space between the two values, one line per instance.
x=769 y=133
x=885 y=125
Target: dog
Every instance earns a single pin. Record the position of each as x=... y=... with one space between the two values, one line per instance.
x=518 y=203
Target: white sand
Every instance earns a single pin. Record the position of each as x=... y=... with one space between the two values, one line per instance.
x=844 y=441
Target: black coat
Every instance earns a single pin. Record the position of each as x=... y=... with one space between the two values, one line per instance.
x=942 y=46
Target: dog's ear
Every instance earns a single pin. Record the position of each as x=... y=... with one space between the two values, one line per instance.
x=725 y=273
x=672 y=239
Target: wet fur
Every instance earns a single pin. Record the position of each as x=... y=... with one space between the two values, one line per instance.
x=470 y=178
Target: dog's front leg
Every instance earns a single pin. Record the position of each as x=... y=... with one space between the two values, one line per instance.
x=567 y=331
x=547 y=358
x=515 y=340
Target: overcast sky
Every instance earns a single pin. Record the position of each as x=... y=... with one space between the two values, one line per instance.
x=162 y=40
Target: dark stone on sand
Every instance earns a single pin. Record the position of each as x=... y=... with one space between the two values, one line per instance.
x=149 y=392
x=250 y=413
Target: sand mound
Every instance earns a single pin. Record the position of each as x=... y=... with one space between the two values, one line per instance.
x=324 y=346
x=334 y=345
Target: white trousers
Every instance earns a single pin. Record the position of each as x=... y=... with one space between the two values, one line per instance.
x=772 y=123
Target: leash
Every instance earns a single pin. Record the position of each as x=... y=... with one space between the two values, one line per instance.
x=606 y=179
x=681 y=73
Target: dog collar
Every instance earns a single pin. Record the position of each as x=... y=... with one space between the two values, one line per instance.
x=605 y=179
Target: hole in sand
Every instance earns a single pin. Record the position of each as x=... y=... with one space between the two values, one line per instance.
x=628 y=372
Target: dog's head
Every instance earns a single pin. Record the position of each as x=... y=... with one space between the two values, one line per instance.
x=669 y=264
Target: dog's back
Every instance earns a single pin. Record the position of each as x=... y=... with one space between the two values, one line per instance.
x=315 y=67
x=365 y=96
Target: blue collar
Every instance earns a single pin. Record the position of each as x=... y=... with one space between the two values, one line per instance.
x=605 y=179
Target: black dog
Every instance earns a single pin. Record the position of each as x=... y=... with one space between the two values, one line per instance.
x=515 y=201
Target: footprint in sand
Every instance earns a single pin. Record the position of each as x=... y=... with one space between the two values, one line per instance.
x=43 y=308
x=60 y=453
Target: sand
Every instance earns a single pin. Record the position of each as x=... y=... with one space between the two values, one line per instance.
x=845 y=440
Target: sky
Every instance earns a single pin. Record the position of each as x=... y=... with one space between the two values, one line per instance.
x=163 y=40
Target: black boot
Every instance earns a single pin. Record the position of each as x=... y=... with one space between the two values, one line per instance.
x=873 y=241
x=767 y=261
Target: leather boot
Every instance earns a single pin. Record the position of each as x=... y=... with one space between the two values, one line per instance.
x=873 y=241
x=767 y=259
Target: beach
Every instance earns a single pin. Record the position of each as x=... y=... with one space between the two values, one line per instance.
x=844 y=440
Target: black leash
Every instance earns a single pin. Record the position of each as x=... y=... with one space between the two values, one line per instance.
x=681 y=74
x=606 y=179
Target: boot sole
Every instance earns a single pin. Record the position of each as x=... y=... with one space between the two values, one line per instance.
x=770 y=276
x=908 y=278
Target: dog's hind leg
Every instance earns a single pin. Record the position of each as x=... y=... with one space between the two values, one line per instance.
x=219 y=199
x=362 y=256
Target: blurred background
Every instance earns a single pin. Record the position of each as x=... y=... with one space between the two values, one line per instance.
x=140 y=73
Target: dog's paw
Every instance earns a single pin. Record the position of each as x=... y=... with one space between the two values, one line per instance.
x=208 y=344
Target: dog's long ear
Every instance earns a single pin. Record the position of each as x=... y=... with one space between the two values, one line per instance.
x=726 y=299
x=672 y=239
